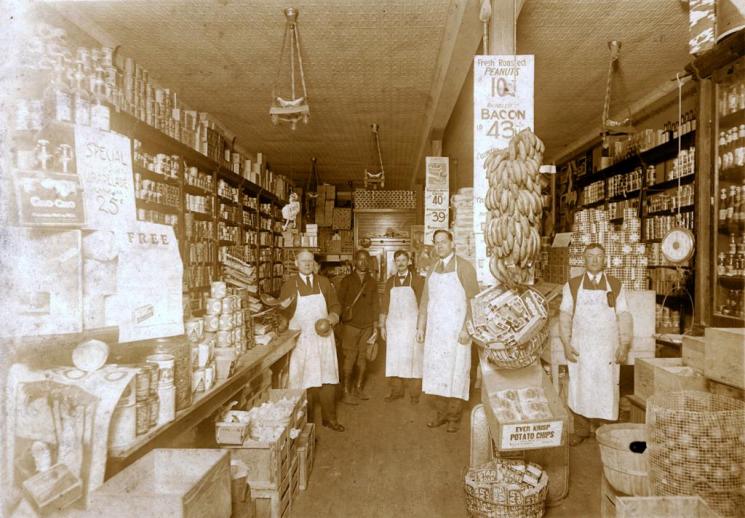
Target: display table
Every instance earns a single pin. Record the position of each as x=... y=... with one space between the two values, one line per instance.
x=250 y=365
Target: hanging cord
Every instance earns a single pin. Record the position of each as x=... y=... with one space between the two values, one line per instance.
x=679 y=220
x=293 y=38
x=485 y=16
x=279 y=66
x=300 y=63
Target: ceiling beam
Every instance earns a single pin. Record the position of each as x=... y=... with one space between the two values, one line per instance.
x=459 y=44
x=463 y=32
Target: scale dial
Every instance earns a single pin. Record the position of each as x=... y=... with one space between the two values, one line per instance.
x=678 y=245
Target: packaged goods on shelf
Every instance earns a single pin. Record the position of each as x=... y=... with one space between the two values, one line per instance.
x=364 y=199
x=668 y=319
x=626 y=256
x=593 y=193
x=643 y=140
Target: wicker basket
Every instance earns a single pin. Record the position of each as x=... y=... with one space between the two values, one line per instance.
x=493 y=490
x=625 y=470
x=520 y=356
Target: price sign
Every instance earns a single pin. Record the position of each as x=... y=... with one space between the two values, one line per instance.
x=104 y=164
x=503 y=92
x=436 y=196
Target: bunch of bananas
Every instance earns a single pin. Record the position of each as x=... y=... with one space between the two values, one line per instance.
x=515 y=207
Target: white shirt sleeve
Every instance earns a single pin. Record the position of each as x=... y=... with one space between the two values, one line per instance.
x=622 y=305
x=567 y=302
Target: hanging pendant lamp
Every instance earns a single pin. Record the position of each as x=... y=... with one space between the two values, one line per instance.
x=294 y=108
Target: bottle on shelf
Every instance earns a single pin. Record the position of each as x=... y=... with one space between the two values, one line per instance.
x=81 y=99
x=722 y=205
x=57 y=96
x=100 y=115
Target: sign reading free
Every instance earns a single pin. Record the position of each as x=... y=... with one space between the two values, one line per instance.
x=503 y=91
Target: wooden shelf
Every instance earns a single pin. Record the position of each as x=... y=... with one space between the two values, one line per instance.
x=156 y=177
x=721 y=320
x=723 y=53
x=667 y=184
x=250 y=365
x=736 y=282
x=201 y=216
x=227 y=201
x=655 y=155
x=731 y=227
x=593 y=204
x=151 y=205
x=629 y=195
x=669 y=212
x=733 y=174
x=195 y=189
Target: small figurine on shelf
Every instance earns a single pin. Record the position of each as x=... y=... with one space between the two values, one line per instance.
x=291 y=210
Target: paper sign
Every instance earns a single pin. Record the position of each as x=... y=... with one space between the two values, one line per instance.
x=436 y=196
x=149 y=281
x=104 y=164
x=562 y=240
x=48 y=199
x=502 y=106
x=522 y=436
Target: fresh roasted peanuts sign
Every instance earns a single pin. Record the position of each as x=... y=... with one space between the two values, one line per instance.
x=503 y=91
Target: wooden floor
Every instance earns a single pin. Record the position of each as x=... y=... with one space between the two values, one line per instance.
x=389 y=464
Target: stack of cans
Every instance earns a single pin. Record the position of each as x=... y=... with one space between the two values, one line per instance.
x=626 y=256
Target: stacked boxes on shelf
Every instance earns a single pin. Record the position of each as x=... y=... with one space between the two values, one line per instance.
x=325 y=205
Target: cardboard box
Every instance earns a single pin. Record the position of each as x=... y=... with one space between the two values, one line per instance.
x=723 y=389
x=693 y=351
x=528 y=434
x=724 y=355
x=342 y=218
x=329 y=212
x=656 y=375
x=168 y=482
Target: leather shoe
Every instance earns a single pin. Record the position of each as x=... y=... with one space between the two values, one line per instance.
x=334 y=426
x=575 y=440
x=437 y=421
x=452 y=427
x=349 y=399
x=392 y=397
x=361 y=394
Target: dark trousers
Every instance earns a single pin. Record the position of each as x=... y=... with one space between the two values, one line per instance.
x=583 y=425
x=327 y=396
x=414 y=385
x=450 y=408
x=354 y=347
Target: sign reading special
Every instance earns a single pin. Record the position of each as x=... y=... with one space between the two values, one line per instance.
x=436 y=196
x=503 y=89
x=104 y=164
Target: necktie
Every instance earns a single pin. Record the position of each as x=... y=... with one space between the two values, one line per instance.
x=440 y=266
x=308 y=282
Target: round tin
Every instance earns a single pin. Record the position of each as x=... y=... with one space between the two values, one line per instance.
x=165 y=363
x=142 y=417
x=209 y=377
x=123 y=428
x=203 y=354
x=228 y=305
x=194 y=329
x=226 y=322
x=224 y=338
x=154 y=409
x=211 y=323
x=142 y=384
x=154 y=373
x=214 y=306
x=197 y=380
x=218 y=289
x=238 y=318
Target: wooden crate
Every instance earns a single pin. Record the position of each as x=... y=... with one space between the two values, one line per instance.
x=364 y=199
x=693 y=351
x=723 y=389
x=655 y=375
x=608 y=497
x=305 y=452
x=638 y=409
x=168 y=482
x=342 y=219
x=724 y=355
x=663 y=506
x=272 y=503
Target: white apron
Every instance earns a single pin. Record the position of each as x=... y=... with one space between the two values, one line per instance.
x=593 y=378
x=403 y=357
x=313 y=360
x=447 y=364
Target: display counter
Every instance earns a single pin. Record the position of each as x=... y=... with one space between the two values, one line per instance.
x=250 y=365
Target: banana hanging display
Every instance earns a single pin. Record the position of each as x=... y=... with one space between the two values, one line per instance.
x=515 y=205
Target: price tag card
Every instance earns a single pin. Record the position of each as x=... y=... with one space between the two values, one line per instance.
x=104 y=164
x=436 y=196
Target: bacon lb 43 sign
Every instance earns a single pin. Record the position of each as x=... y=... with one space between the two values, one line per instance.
x=503 y=93
x=436 y=196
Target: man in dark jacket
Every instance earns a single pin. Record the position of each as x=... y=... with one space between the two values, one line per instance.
x=358 y=293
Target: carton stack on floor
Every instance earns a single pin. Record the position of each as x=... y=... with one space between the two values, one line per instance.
x=276 y=444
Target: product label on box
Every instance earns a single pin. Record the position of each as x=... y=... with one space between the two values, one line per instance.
x=49 y=199
x=518 y=436
x=104 y=164
x=502 y=106
x=436 y=196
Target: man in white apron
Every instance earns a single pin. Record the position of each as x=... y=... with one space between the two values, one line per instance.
x=399 y=308
x=443 y=312
x=596 y=331
x=306 y=298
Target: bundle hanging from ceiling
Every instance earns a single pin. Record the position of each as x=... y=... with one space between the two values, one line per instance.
x=295 y=108
x=375 y=179
x=609 y=126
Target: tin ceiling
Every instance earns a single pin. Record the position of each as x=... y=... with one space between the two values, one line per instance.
x=377 y=61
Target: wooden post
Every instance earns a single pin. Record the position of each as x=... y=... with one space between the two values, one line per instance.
x=502 y=26
x=703 y=296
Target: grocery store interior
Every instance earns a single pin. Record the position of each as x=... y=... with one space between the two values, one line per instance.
x=372 y=258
